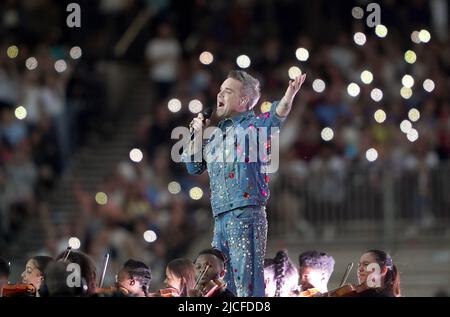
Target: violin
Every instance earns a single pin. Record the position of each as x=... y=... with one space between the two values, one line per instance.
x=348 y=290
x=166 y=292
x=12 y=290
x=212 y=288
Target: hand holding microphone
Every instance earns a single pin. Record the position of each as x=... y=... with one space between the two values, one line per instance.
x=201 y=121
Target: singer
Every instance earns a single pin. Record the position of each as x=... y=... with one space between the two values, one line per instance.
x=239 y=189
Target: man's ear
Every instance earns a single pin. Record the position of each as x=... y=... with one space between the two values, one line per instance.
x=222 y=274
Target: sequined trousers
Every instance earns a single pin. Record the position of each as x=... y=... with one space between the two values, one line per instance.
x=241 y=234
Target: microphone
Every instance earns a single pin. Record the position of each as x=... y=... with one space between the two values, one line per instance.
x=207 y=113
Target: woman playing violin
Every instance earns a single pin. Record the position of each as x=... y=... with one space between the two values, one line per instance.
x=210 y=269
x=377 y=271
x=34 y=272
x=180 y=276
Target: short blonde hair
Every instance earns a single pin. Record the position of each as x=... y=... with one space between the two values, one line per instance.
x=250 y=86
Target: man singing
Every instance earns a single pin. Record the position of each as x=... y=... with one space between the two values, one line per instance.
x=239 y=187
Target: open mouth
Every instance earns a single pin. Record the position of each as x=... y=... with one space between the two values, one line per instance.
x=220 y=104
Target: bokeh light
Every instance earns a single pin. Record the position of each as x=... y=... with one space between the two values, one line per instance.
x=366 y=77
x=74 y=243
x=405 y=126
x=380 y=116
x=195 y=106
x=243 y=61
x=381 y=30
x=428 y=85
x=414 y=115
x=318 y=85
x=302 y=54
x=136 y=155
x=101 y=198
x=412 y=135
x=360 y=38
x=31 y=63
x=174 y=105
x=75 y=52
x=196 y=193
x=406 y=92
x=410 y=57
x=12 y=51
x=266 y=106
x=408 y=81
x=327 y=134
x=174 y=188
x=353 y=89
x=415 y=37
x=150 y=236
x=206 y=58
x=20 y=112
x=371 y=155
x=424 y=36
x=294 y=72
x=376 y=94
x=60 y=66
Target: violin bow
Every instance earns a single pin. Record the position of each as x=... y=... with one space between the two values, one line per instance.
x=201 y=276
x=105 y=265
x=66 y=256
x=346 y=274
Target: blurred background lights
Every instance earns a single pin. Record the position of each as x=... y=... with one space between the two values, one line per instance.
x=410 y=57
x=360 y=38
x=414 y=115
x=294 y=72
x=150 y=236
x=406 y=92
x=174 y=188
x=136 y=155
x=408 y=81
x=428 y=85
x=415 y=37
x=60 y=66
x=353 y=90
x=381 y=30
x=243 y=61
x=75 y=52
x=195 y=106
x=405 y=126
x=101 y=198
x=206 y=58
x=31 y=63
x=20 y=112
x=318 y=85
x=424 y=36
x=12 y=51
x=196 y=193
x=327 y=134
x=379 y=116
x=266 y=106
x=376 y=95
x=371 y=155
x=412 y=135
x=74 y=243
x=358 y=13
x=302 y=54
x=174 y=105
x=366 y=77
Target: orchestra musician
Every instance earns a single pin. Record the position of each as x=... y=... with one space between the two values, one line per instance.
x=315 y=271
x=34 y=273
x=280 y=275
x=134 y=278
x=381 y=279
x=210 y=270
x=180 y=277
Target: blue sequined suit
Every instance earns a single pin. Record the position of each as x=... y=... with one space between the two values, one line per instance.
x=239 y=193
